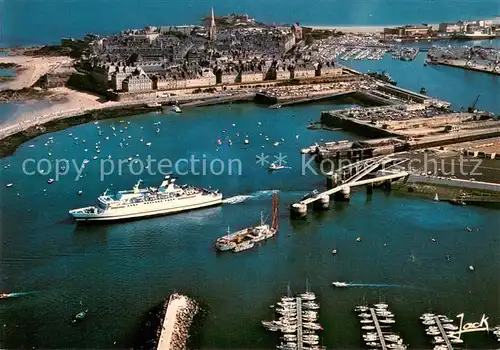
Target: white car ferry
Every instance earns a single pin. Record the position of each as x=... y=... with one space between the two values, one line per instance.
x=142 y=202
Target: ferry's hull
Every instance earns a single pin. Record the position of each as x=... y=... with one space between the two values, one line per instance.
x=475 y=37
x=122 y=216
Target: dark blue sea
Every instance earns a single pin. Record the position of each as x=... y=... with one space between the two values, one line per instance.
x=120 y=271
x=30 y=22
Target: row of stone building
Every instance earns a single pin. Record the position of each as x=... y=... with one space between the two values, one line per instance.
x=134 y=79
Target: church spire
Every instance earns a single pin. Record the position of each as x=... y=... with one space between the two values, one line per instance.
x=212 y=31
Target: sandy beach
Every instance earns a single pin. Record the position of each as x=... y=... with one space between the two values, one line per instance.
x=63 y=99
x=62 y=102
x=31 y=69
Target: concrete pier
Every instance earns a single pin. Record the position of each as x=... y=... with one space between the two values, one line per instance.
x=298 y=210
x=369 y=189
x=379 y=330
x=344 y=194
x=322 y=203
x=443 y=333
x=388 y=185
x=299 y=324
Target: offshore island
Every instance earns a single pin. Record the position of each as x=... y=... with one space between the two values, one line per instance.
x=234 y=58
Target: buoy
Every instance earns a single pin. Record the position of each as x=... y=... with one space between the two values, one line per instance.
x=246 y=142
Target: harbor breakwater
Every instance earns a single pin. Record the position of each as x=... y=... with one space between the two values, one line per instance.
x=179 y=314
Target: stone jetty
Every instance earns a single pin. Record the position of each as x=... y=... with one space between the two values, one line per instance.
x=174 y=333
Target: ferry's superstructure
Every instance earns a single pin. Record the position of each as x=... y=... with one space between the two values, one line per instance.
x=142 y=202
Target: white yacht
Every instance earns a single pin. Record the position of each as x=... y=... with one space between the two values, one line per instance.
x=340 y=284
x=176 y=109
x=142 y=202
x=308 y=296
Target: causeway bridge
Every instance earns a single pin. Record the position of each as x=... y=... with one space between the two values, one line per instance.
x=340 y=182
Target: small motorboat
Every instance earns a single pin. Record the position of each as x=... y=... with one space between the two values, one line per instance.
x=334 y=251
x=246 y=142
x=274 y=167
x=80 y=316
x=450 y=327
x=387 y=321
x=176 y=109
x=9 y=185
x=50 y=181
x=340 y=284
x=153 y=105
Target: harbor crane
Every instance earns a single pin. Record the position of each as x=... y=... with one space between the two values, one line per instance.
x=472 y=108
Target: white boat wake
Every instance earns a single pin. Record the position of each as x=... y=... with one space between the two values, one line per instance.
x=251 y=196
